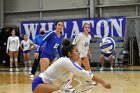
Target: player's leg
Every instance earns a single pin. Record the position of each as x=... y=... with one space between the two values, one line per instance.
x=39 y=87
x=46 y=88
x=11 y=60
x=111 y=59
x=86 y=63
x=35 y=65
x=16 y=60
x=44 y=64
x=25 y=61
x=102 y=60
x=53 y=60
x=29 y=61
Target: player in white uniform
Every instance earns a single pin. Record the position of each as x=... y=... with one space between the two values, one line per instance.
x=13 y=44
x=26 y=46
x=82 y=40
x=53 y=78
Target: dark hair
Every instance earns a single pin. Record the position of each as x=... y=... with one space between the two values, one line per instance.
x=67 y=47
x=58 y=22
x=85 y=24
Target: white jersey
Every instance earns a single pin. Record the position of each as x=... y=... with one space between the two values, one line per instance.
x=13 y=43
x=82 y=43
x=26 y=44
x=60 y=71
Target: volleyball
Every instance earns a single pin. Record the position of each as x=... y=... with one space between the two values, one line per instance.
x=107 y=45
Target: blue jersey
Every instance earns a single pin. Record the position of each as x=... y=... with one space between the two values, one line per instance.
x=53 y=44
x=38 y=39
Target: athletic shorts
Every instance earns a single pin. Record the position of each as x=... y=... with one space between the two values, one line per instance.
x=107 y=57
x=50 y=57
x=36 y=82
x=26 y=51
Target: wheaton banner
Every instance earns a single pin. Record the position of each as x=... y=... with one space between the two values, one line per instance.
x=100 y=27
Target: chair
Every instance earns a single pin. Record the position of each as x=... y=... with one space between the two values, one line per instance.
x=123 y=59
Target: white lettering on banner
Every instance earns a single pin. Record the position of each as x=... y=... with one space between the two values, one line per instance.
x=65 y=26
x=116 y=25
x=106 y=28
x=31 y=28
x=50 y=26
x=43 y=25
x=75 y=29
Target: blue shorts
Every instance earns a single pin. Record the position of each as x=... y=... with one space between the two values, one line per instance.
x=36 y=82
x=50 y=57
x=27 y=51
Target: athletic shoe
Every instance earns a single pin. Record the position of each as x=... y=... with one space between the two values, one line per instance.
x=11 y=70
x=101 y=69
x=91 y=83
x=111 y=68
x=25 y=69
x=69 y=90
x=32 y=76
x=16 y=69
x=30 y=68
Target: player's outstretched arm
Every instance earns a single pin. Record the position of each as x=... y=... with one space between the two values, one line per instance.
x=105 y=83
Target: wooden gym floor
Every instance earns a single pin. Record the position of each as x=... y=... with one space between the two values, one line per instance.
x=122 y=82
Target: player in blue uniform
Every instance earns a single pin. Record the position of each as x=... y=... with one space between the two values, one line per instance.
x=53 y=46
x=37 y=40
x=107 y=57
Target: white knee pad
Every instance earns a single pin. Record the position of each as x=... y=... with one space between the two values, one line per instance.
x=29 y=62
x=15 y=59
x=11 y=59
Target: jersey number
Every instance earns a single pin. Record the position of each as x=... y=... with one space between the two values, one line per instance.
x=56 y=46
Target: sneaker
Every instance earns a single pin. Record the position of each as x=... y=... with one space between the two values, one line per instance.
x=11 y=70
x=91 y=83
x=101 y=69
x=67 y=84
x=30 y=68
x=25 y=69
x=16 y=69
x=69 y=90
x=111 y=68
x=32 y=76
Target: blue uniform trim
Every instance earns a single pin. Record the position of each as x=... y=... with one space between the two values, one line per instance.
x=76 y=37
x=48 y=35
x=80 y=68
x=36 y=82
x=27 y=51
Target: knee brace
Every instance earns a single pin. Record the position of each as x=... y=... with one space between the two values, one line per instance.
x=29 y=62
x=11 y=59
x=15 y=59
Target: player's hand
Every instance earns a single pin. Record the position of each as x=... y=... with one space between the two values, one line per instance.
x=36 y=55
x=107 y=85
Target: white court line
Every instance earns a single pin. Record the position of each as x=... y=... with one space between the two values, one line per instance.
x=80 y=83
x=4 y=86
